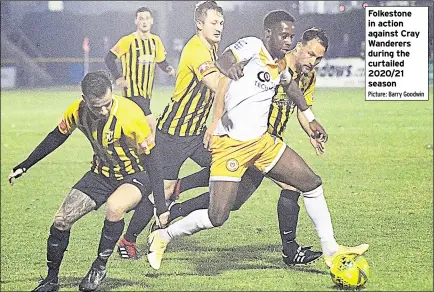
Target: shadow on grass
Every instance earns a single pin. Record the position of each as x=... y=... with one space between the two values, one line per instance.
x=108 y=284
x=338 y=288
x=211 y=261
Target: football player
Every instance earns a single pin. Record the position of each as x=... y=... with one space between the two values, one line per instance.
x=139 y=52
x=240 y=138
x=125 y=168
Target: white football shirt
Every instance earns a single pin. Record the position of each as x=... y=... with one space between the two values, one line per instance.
x=248 y=100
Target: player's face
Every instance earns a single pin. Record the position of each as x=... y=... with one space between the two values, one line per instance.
x=144 y=21
x=309 y=55
x=100 y=107
x=212 y=26
x=281 y=38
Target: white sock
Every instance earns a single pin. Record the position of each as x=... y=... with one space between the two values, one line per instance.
x=192 y=223
x=318 y=212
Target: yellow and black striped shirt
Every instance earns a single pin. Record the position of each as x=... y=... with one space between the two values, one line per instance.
x=189 y=107
x=138 y=59
x=282 y=108
x=116 y=142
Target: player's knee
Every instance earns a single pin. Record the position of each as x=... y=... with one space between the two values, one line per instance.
x=114 y=211
x=218 y=218
x=62 y=223
x=314 y=182
x=317 y=181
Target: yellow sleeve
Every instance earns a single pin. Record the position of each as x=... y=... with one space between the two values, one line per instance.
x=199 y=60
x=122 y=46
x=68 y=122
x=308 y=94
x=160 y=54
x=141 y=131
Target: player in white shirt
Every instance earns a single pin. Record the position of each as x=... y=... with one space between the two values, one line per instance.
x=241 y=140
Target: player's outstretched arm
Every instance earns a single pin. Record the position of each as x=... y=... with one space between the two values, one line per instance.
x=218 y=111
x=228 y=66
x=225 y=64
x=319 y=146
x=294 y=93
x=53 y=140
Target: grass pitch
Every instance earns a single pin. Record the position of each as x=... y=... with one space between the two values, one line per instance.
x=377 y=173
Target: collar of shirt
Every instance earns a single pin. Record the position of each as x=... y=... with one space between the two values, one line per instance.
x=197 y=39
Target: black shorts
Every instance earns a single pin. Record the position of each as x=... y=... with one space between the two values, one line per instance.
x=174 y=150
x=144 y=103
x=99 y=188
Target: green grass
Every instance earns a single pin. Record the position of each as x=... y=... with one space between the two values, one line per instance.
x=377 y=173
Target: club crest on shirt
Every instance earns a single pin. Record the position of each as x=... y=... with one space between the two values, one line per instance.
x=109 y=137
x=232 y=165
x=204 y=67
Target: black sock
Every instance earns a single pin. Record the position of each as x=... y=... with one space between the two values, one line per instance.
x=287 y=213
x=186 y=207
x=110 y=234
x=56 y=246
x=142 y=215
x=195 y=180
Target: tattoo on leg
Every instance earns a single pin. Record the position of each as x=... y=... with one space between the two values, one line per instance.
x=74 y=206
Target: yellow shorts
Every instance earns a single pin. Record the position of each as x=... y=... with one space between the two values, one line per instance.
x=231 y=158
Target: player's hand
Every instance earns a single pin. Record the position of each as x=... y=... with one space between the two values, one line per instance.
x=207 y=139
x=236 y=71
x=121 y=82
x=15 y=173
x=171 y=71
x=318 y=131
x=163 y=220
x=318 y=145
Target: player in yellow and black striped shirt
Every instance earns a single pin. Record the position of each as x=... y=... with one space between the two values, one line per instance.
x=281 y=109
x=124 y=172
x=181 y=125
x=139 y=52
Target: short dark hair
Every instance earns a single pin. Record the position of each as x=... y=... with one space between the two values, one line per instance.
x=276 y=16
x=143 y=9
x=203 y=7
x=315 y=33
x=94 y=85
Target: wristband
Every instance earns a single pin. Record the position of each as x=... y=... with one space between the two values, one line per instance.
x=308 y=114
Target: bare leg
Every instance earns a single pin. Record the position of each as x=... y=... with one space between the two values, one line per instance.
x=249 y=183
x=291 y=169
x=75 y=205
x=222 y=199
x=123 y=198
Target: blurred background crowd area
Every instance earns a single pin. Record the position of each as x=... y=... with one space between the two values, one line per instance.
x=43 y=40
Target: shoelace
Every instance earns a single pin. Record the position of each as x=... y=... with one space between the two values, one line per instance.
x=301 y=253
x=303 y=248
